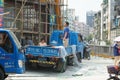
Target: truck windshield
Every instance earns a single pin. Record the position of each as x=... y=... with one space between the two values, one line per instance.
x=15 y=40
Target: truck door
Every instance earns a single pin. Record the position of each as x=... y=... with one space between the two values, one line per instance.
x=7 y=54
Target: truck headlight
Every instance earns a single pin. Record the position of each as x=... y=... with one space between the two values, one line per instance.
x=20 y=63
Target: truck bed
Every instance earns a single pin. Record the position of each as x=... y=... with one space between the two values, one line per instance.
x=47 y=51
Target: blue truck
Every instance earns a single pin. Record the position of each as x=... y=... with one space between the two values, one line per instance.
x=12 y=58
x=56 y=56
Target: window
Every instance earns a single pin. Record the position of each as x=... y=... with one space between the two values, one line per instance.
x=5 y=43
x=15 y=40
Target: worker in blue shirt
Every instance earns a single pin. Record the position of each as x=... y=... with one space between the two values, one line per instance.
x=66 y=34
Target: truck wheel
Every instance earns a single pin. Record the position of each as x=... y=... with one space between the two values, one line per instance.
x=79 y=57
x=2 y=76
x=70 y=61
x=27 y=65
x=61 y=66
x=30 y=65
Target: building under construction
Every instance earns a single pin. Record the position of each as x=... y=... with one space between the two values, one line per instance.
x=34 y=18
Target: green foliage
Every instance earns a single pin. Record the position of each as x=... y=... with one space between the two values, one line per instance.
x=108 y=42
x=90 y=37
x=105 y=1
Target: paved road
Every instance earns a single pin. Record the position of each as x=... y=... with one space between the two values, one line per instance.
x=94 y=69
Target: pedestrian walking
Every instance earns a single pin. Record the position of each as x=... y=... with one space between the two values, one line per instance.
x=66 y=34
x=117 y=52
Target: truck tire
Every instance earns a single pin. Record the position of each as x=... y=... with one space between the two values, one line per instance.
x=61 y=66
x=27 y=65
x=70 y=61
x=79 y=57
x=30 y=65
x=2 y=76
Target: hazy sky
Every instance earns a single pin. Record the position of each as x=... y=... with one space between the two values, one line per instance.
x=82 y=6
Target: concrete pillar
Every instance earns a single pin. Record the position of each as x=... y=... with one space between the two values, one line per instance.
x=101 y=30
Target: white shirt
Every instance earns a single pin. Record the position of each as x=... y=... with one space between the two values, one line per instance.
x=42 y=44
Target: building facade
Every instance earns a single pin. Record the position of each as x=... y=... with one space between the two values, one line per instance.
x=90 y=18
x=97 y=26
x=70 y=17
x=110 y=20
x=33 y=18
x=83 y=29
x=115 y=30
x=107 y=17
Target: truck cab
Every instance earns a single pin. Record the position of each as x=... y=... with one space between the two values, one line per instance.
x=11 y=55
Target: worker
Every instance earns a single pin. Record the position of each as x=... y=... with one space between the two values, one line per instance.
x=29 y=41
x=66 y=34
x=42 y=42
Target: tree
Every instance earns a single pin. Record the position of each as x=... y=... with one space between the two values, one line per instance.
x=90 y=37
x=107 y=42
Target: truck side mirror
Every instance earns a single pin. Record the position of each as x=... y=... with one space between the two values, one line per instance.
x=22 y=50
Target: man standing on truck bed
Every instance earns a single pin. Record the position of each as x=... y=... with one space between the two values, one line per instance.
x=66 y=34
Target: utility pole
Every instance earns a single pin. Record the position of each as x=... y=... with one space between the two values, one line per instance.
x=22 y=19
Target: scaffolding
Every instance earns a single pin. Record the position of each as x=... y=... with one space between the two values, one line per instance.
x=34 y=18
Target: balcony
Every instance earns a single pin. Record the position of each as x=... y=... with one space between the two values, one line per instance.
x=117 y=3
x=104 y=5
x=118 y=16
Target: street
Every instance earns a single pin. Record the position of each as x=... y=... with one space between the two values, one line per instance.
x=55 y=33
x=94 y=69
